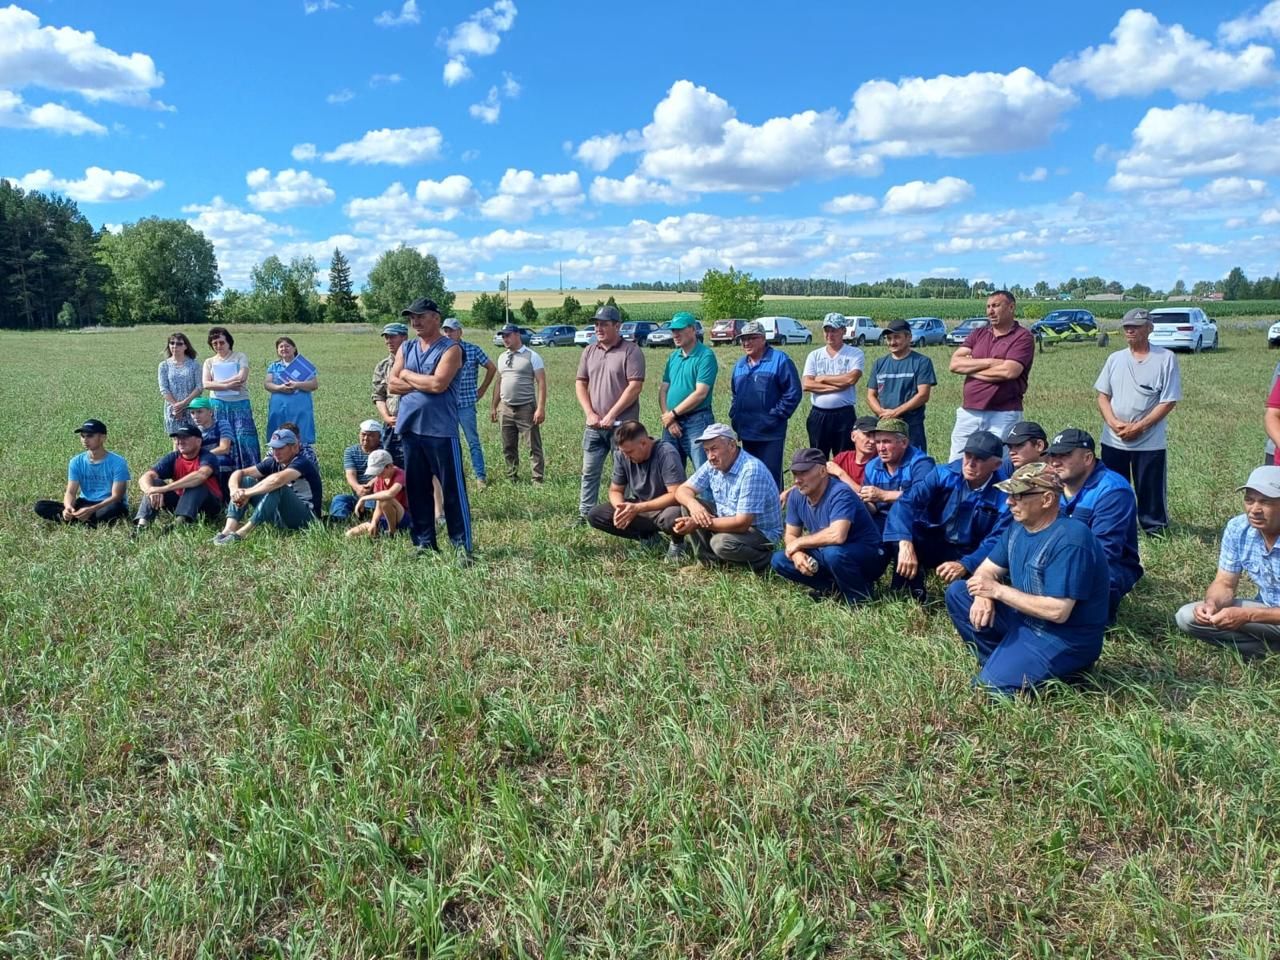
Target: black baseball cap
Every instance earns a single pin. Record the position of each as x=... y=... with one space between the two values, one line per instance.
x=1025 y=430
x=806 y=458
x=608 y=313
x=1070 y=439
x=187 y=431
x=866 y=424
x=92 y=426
x=421 y=305
x=984 y=444
x=897 y=326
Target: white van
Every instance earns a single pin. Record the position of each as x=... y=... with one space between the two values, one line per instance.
x=781 y=330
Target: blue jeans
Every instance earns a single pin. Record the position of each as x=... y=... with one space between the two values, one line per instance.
x=691 y=426
x=851 y=569
x=596 y=446
x=467 y=420
x=343 y=505
x=1012 y=656
x=281 y=507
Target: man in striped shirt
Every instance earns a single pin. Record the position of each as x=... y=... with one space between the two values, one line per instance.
x=473 y=360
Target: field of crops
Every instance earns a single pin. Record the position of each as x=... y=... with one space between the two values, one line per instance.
x=305 y=746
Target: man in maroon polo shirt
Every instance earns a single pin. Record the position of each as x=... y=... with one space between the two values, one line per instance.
x=995 y=361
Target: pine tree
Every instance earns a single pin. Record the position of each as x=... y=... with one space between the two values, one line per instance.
x=342 y=306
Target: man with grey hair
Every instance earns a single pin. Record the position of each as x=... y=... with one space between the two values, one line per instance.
x=608 y=385
x=1250 y=627
x=741 y=522
x=1137 y=389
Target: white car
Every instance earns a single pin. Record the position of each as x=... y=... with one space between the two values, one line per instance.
x=1183 y=328
x=783 y=330
x=1273 y=335
x=585 y=337
x=861 y=330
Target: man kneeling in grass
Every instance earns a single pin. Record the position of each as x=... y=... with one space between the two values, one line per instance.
x=386 y=498
x=281 y=490
x=1252 y=627
x=1046 y=623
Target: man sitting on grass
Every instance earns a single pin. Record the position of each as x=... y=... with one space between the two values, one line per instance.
x=183 y=482
x=97 y=483
x=830 y=543
x=355 y=460
x=742 y=523
x=1250 y=627
x=280 y=490
x=652 y=470
x=1047 y=621
x=386 y=498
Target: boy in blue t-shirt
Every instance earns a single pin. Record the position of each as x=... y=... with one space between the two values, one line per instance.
x=830 y=543
x=1047 y=622
x=97 y=483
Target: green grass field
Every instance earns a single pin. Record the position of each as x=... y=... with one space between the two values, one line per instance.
x=309 y=747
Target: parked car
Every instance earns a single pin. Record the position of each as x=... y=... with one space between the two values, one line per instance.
x=662 y=337
x=1183 y=328
x=586 y=336
x=861 y=330
x=726 y=331
x=526 y=337
x=1273 y=335
x=924 y=332
x=783 y=330
x=560 y=335
x=637 y=331
x=1064 y=326
x=958 y=336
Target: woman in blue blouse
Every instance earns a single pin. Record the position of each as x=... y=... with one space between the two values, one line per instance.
x=290 y=399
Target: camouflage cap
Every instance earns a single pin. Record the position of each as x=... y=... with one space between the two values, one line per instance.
x=893 y=425
x=1032 y=476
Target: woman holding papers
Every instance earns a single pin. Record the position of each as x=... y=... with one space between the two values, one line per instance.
x=291 y=380
x=226 y=374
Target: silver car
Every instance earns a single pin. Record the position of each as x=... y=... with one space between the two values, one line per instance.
x=557 y=335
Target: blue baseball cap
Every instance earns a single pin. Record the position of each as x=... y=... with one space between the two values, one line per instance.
x=282 y=438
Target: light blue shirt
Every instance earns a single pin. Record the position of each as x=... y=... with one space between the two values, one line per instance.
x=96 y=479
x=1244 y=551
x=746 y=487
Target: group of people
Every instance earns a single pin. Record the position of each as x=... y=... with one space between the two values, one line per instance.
x=1035 y=537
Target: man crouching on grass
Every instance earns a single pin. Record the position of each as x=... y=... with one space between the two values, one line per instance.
x=1250 y=627
x=1047 y=621
x=386 y=497
x=279 y=490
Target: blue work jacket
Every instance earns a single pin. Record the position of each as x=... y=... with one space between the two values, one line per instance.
x=944 y=505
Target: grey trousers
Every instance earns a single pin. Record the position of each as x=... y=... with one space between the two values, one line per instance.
x=1251 y=640
x=752 y=548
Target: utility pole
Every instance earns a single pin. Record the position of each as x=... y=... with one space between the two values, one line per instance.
x=508 y=294
x=562 y=278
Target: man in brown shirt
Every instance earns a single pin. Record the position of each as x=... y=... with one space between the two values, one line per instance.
x=610 y=379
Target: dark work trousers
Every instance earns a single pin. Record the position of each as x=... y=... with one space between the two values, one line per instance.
x=425 y=459
x=831 y=430
x=185 y=504
x=768 y=452
x=932 y=550
x=391 y=444
x=52 y=510
x=1146 y=470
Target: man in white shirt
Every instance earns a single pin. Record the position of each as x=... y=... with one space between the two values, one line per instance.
x=830 y=376
x=1137 y=389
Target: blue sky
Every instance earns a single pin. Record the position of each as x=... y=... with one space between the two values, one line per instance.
x=1010 y=142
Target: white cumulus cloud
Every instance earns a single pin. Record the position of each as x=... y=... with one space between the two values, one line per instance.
x=1145 y=56
x=522 y=193
x=632 y=190
x=920 y=196
x=453 y=191
x=16 y=114
x=957 y=116
x=286 y=189
x=850 y=203
x=598 y=153
x=302 y=152
x=400 y=147
x=1038 y=175
x=63 y=58
x=455 y=71
x=1264 y=23
x=1192 y=139
x=477 y=36
x=340 y=96
x=97 y=186
x=407 y=15
x=489 y=109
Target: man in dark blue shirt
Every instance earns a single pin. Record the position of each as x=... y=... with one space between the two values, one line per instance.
x=830 y=543
x=766 y=392
x=282 y=490
x=949 y=521
x=1047 y=621
x=1104 y=502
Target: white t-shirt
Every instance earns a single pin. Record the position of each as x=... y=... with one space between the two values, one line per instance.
x=820 y=363
x=1136 y=387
